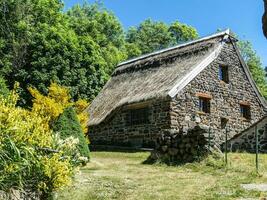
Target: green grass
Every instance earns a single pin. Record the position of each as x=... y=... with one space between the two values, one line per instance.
x=113 y=175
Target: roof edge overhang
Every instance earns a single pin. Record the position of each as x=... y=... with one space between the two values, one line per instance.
x=125 y=105
x=199 y=68
x=249 y=76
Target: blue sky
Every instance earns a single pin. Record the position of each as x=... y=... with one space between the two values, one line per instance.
x=241 y=16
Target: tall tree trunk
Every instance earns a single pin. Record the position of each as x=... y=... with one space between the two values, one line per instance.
x=264 y=19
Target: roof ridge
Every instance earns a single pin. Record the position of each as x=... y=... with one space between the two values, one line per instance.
x=170 y=58
x=222 y=33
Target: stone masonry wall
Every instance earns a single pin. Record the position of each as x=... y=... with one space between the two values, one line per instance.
x=225 y=101
x=247 y=140
x=115 y=131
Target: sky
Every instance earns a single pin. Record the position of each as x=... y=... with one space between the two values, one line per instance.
x=243 y=17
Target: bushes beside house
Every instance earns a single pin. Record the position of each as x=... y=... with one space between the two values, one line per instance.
x=26 y=163
x=68 y=125
x=34 y=159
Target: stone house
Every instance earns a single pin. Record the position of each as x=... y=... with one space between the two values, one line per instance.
x=205 y=81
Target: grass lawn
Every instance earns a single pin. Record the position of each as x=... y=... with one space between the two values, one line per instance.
x=113 y=175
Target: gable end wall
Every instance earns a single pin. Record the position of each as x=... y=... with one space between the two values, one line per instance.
x=225 y=100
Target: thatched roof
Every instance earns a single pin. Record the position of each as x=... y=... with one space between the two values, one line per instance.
x=151 y=76
x=157 y=75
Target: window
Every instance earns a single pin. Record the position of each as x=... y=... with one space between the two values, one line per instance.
x=138 y=116
x=224 y=122
x=245 y=111
x=204 y=105
x=223 y=73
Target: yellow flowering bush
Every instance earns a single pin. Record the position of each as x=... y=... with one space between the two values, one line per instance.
x=31 y=156
x=80 y=107
x=56 y=171
x=51 y=105
x=54 y=103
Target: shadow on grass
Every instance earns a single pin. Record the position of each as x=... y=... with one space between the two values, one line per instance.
x=122 y=149
x=213 y=160
x=172 y=161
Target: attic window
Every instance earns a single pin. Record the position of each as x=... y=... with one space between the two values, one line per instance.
x=245 y=111
x=204 y=105
x=138 y=116
x=223 y=73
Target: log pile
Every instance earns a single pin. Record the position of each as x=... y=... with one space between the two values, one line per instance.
x=186 y=145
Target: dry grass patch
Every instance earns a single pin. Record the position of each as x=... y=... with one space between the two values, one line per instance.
x=113 y=175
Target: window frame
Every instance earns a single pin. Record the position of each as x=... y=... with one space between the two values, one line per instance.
x=245 y=111
x=204 y=105
x=138 y=116
x=224 y=73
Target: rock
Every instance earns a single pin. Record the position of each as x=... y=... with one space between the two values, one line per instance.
x=154 y=155
x=173 y=151
x=187 y=118
x=204 y=127
x=164 y=148
x=197 y=119
x=256 y=187
x=191 y=124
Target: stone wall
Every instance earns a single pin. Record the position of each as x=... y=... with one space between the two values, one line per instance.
x=225 y=98
x=246 y=141
x=185 y=145
x=116 y=132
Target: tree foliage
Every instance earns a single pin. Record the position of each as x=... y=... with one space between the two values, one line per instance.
x=182 y=32
x=151 y=35
x=39 y=43
x=68 y=125
x=4 y=91
x=255 y=66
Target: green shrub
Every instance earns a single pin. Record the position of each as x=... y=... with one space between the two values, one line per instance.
x=68 y=125
x=3 y=87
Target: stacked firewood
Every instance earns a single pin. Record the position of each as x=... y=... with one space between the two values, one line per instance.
x=185 y=145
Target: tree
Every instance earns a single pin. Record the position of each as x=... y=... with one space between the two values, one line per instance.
x=103 y=45
x=151 y=35
x=68 y=125
x=264 y=19
x=255 y=66
x=182 y=32
x=31 y=28
x=40 y=43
